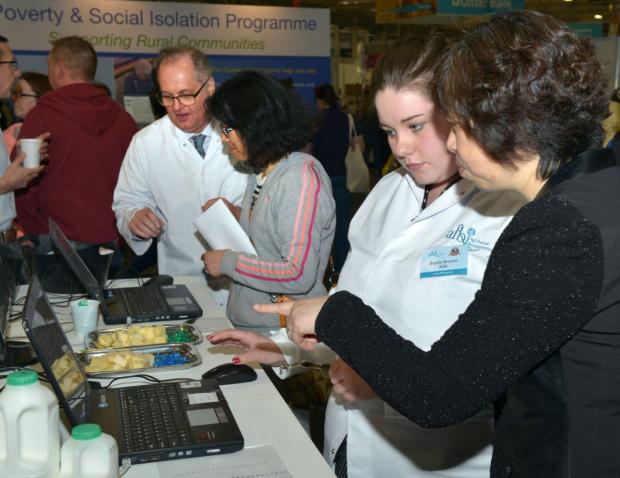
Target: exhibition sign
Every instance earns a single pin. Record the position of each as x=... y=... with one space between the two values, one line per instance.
x=477 y=7
x=410 y=10
x=287 y=42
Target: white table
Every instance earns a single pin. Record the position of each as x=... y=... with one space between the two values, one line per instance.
x=261 y=413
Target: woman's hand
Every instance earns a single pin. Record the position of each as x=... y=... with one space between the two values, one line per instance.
x=348 y=384
x=257 y=347
x=301 y=316
x=213 y=262
x=235 y=210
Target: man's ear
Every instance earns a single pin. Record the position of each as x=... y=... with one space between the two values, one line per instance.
x=58 y=71
x=210 y=86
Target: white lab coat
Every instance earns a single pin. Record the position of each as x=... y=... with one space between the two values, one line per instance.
x=388 y=235
x=163 y=171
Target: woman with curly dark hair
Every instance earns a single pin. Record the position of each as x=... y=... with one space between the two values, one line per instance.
x=541 y=340
x=287 y=211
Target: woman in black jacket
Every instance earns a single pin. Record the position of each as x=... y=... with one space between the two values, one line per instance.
x=541 y=339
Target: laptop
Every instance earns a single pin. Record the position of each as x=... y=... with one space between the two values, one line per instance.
x=6 y=297
x=12 y=352
x=150 y=423
x=124 y=305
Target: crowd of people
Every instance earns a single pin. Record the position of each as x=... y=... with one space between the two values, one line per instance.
x=473 y=329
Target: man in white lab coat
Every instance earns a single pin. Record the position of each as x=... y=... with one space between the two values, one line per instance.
x=173 y=166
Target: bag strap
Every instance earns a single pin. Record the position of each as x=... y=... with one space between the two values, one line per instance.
x=352 y=131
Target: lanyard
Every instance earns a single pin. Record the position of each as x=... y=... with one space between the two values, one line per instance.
x=427 y=190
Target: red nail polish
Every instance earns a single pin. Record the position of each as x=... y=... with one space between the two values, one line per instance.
x=236 y=360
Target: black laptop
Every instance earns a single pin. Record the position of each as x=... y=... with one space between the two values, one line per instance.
x=128 y=304
x=150 y=423
x=12 y=352
x=6 y=297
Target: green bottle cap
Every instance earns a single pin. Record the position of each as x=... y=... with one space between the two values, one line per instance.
x=23 y=377
x=86 y=431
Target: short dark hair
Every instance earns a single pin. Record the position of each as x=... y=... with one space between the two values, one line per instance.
x=524 y=83
x=37 y=81
x=200 y=61
x=409 y=64
x=326 y=93
x=3 y=39
x=77 y=55
x=271 y=120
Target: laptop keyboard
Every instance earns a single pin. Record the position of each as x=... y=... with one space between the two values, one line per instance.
x=152 y=418
x=144 y=301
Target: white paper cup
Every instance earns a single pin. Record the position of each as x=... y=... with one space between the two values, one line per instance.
x=85 y=313
x=31 y=148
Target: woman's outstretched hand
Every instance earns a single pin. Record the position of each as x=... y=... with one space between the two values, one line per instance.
x=256 y=347
x=301 y=316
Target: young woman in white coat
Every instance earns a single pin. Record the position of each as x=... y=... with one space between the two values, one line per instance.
x=419 y=248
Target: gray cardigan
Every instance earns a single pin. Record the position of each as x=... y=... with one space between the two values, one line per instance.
x=292 y=228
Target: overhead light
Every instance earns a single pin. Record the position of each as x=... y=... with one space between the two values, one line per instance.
x=598 y=16
x=568 y=0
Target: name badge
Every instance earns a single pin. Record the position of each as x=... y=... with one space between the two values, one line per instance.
x=444 y=261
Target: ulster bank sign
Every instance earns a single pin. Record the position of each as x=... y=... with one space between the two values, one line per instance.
x=477 y=7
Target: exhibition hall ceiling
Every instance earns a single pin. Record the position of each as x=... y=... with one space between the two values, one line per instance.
x=348 y=13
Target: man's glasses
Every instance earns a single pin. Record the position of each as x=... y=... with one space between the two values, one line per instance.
x=20 y=94
x=12 y=62
x=185 y=100
x=226 y=130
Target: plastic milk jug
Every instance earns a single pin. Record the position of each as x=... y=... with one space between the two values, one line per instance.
x=29 y=428
x=89 y=453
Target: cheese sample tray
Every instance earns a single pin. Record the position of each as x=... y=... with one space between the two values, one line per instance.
x=140 y=335
x=135 y=360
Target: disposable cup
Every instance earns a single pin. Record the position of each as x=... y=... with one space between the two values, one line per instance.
x=85 y=313
x=31 y=148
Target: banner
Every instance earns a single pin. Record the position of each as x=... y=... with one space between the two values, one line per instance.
x=147 y=27
x=286 y=42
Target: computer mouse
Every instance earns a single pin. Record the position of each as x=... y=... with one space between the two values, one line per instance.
x=161 y=279
x=229 y=373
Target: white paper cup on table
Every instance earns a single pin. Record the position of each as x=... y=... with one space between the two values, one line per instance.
x=31 y=148
x=85 y=313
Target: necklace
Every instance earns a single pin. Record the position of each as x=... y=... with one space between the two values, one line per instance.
x=260 y=180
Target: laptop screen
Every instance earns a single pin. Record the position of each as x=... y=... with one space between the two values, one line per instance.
x=5 y=305
x=83 y=273
x=55 y=353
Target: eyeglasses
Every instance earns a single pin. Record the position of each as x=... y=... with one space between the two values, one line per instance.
x=226 y=130
x=19 y=94
x=13 y=63
x=185 y=100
